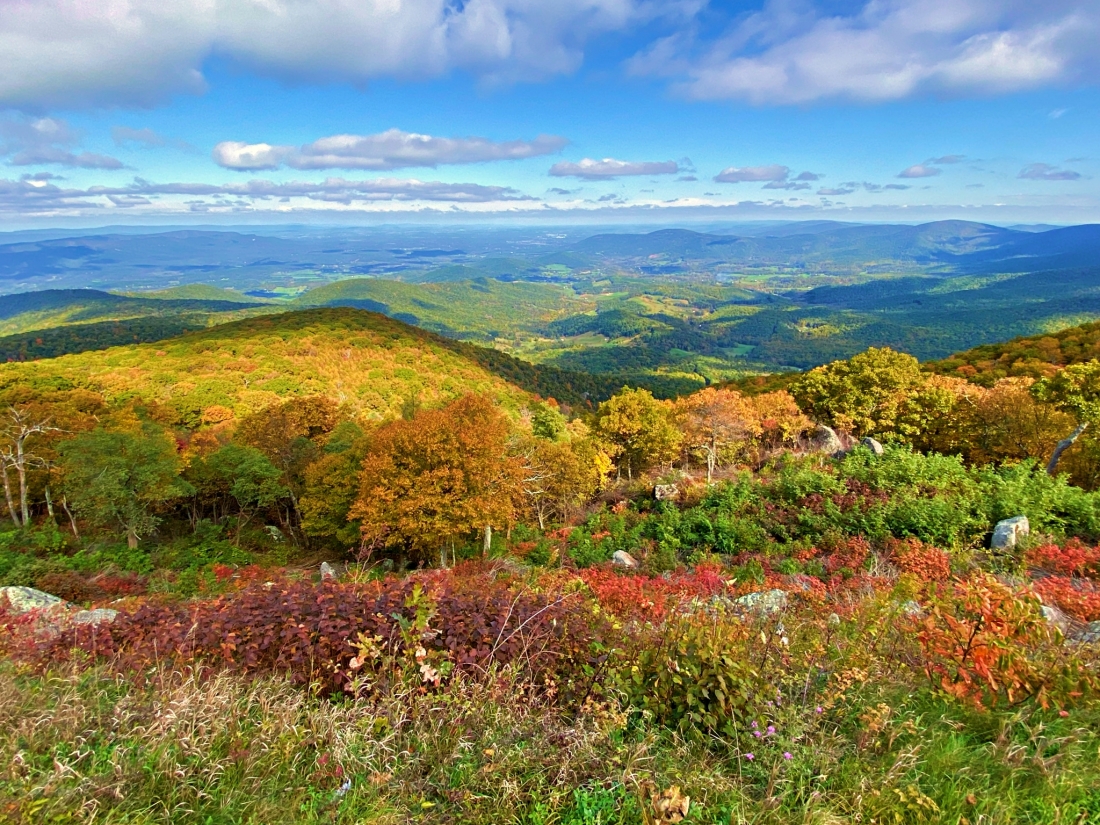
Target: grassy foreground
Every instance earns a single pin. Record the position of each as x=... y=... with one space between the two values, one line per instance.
x=89 y=746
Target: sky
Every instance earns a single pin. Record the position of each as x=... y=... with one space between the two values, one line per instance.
x=555 y=111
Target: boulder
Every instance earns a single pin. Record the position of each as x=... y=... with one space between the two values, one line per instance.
x=912 y=608
x=1089 y=634
x=825 y=440
x=328 y=572
x=100 y=614
x=666 y=492
x=872 y=445
x=621 y=558
x=766 y=602
x=1008 y=532
x=1055 y=617
x=25 y=599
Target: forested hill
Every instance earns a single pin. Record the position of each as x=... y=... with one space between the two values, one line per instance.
x=1032 y=355
x=373 y=363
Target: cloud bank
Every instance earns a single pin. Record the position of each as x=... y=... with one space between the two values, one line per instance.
x=791 y=53
x=392 y=149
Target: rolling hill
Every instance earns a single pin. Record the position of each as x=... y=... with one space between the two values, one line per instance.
x=368 y=361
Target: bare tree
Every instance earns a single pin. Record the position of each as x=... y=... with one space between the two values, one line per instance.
x=16 y=431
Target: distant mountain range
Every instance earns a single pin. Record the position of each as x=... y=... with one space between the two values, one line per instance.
x=260 y=260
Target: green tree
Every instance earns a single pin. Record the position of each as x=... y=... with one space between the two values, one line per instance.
x=121 y=479
x=331 y=486
x=864 y=394
x=235 y=478
x=1075 y=390
x=641 y=428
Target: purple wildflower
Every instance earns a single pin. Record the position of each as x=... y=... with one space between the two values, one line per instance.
x=750 y=756
x=787 y=755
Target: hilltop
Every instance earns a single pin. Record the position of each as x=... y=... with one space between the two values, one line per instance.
x=365 y=360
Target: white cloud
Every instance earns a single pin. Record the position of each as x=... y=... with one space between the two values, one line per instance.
x=748 y=174
x=39 y=195
x=47 y=141
x=888 y=49
x=124 y=135
x=1044 y=171
x=60 y=53
x=392 y=149
x=920 y=170
x=610 y=168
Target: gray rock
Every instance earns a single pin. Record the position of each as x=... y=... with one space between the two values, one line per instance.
x=621 y=558
x=25 y=599
x=1008 y=532
x=327 y=571
x=872 y=445
x=766 y=602
x=825 y=440
x=666 y=492
x=912 y=608
x=100 y=614
x=1089 y=634
x=1055 y=617
x=833 y=620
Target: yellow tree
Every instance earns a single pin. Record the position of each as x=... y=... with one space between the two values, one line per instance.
x=713 y=421
x=640 y=428
x=434 y=479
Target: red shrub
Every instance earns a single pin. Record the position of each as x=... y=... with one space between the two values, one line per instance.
x=308 y=631
x=849 y=554
x=119 y=585
x=72 y=587
x=927 y=563
x=1079 y=598
x=1072 y=559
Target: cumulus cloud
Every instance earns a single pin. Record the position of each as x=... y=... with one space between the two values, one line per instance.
x=392 y=149
x=748 y=174
x=791 y=53
x=919 y=170
x=60 y=53
x=610 y=168
x=773 y=176
x=1044 y=171
x=47 y=141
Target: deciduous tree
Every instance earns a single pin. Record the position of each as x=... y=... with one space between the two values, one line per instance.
x=641 y=428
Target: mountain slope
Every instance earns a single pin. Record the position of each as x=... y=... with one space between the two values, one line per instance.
x=50 y=308
x=368 y=361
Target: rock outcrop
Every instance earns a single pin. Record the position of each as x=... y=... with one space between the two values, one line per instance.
x=1008 y=533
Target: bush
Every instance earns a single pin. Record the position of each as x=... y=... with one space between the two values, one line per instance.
x=71 y=587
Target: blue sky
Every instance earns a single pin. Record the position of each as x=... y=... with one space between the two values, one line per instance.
x=658 y=111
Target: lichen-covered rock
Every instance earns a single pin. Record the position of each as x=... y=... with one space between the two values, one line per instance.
x=666 y=492
x=100 y=614
x=1055 y=617
x=1089 y=634
x=327 y=571
x=624 y=559
x=25 y=599
x=1008 y=532
x=912 y=608
x=767 y=601
x=872 y=445
x=825 y=440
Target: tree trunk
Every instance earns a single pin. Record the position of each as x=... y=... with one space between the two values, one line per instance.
x=21 y=468
x=131 y=539
x=1064 y=445
x=69 y=513
x=49 y=504
x=487 y=541
x=7 y=494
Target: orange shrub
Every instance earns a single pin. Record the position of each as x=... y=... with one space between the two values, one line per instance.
x=927 y=563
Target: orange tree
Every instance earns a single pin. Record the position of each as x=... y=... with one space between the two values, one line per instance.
x=437 y=478
x=713 y=421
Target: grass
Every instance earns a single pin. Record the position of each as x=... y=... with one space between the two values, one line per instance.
x=87 y=746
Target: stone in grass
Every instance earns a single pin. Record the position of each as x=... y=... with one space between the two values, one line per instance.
x=1055 y=617
x=25 y=599
x=666 y=492
x=621 y=558
x=1089 y=635
x=825 y=440
x=100 y=614
x=872 y=445
x=765 y=602
x=328 y=572
x=1008 y=532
